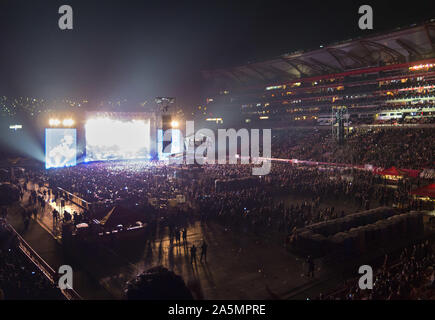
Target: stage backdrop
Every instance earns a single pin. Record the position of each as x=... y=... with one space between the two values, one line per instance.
x=117 y=136
x=60 y=147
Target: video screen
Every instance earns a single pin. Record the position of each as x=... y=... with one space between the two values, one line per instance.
x=60 y=147
x=117 y=138
x=176 y=143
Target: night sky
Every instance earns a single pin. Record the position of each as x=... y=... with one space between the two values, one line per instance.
x=143 y=49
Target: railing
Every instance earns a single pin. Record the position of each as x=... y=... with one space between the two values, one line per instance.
x=75 y=199
x=43 y=266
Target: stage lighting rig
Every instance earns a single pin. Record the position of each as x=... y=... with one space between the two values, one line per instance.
x=54 y=122
x=164 y=103
x=68 y=122
x=174 y=124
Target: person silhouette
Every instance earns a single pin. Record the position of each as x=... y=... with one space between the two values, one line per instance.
x=204 y=251
x=193 y=254
x=310 y=263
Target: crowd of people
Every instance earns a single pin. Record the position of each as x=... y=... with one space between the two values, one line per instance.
x=261 y=208
x=291 y=196
x=411 y=276
x=20 y=278
x=253 y=206
x=407 y=148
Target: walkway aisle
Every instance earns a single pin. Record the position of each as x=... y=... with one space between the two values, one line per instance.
x=45 y=218
x=238 y=266
x=51 y=251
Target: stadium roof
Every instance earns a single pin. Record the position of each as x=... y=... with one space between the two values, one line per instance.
x=411 y=43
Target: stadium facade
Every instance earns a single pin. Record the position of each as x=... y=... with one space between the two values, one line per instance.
x=385 y=77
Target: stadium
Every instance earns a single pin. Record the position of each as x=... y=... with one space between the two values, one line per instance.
x=383 y=78
x=106 y=187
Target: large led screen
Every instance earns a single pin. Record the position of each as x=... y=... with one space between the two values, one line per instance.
x=112 y=138
x=60 y=147
x=176 y=146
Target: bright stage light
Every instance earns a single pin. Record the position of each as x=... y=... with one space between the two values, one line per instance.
x=54 y=122
x=174 y=124
x=68 y=122
x=112 y=139
x=15 y=127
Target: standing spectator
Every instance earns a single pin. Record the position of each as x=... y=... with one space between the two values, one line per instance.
x=184 y=235
x=204 y=251
x=193 y=254
x=55 y=217
x=311 y=266
x=177 y=235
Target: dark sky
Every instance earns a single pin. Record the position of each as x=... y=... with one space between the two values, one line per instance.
x=143 y=49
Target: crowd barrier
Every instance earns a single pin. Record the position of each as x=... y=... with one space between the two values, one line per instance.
x=75 y=199
x=43 y=266
x=359 y=232
x=236 y=184
x=367 y=167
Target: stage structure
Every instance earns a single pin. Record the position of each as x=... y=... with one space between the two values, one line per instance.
x=169 y=136
x=119 y=135
x=106 y=135
x=340 y=121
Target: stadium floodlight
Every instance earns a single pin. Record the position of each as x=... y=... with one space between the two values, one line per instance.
x=15 y=127
x=54 y=122
x=68 y=122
